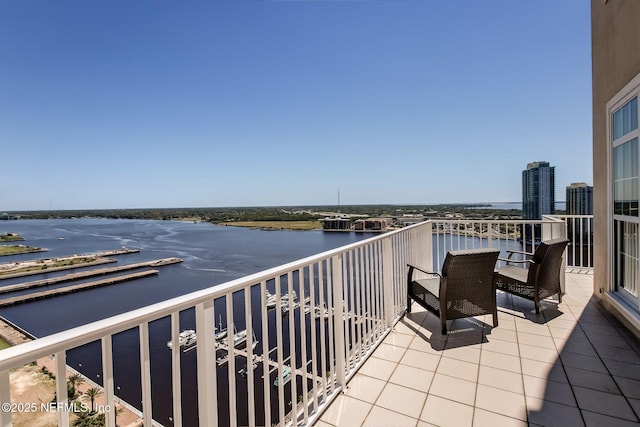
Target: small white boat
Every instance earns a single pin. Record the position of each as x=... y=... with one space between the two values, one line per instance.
x=220 y=333
x=284 y=299
x=187 y=338
x=286 y=377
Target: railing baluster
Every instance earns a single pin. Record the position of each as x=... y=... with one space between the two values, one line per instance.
x=266 y=367
x=206 y=364
x=231 y=361
x=145 y=375
x=323 y=288
x=293 y=359
x=334 y=319
x=175 y=369
x=314 y=321
x=337 y=263
x=108 y=386
x=61 y=388
x=303 y=345
x=248 y=320
x=279 y=338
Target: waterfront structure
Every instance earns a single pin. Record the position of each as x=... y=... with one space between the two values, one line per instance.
x=579 y=199
x=538 y=190
x=371 y=225
x=336 y=224
x=615 y=55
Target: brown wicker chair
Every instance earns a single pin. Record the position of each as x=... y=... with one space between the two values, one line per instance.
x=542 y=277
x=465 y=288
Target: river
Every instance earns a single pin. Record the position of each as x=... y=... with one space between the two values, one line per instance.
x=211 y=255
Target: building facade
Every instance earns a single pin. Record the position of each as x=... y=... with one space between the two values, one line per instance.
x=615 y=36
x=579 y=199
x=538 y=190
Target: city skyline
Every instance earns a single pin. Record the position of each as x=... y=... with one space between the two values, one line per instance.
x=219 y=104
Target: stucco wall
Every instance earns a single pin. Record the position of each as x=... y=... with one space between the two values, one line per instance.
x=615 y=38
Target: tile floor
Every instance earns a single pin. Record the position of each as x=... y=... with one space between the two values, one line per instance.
x=572 y=365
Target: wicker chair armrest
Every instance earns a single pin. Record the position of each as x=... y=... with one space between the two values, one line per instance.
x=413 y=267
x=516 y=261
x=511 y=252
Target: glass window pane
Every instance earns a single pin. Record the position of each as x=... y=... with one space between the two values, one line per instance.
x=625 y=119
x=634 y=113
x=626 y=186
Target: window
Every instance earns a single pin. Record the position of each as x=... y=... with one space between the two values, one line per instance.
x=625 y=120
x=625 y=191
x=625 y=178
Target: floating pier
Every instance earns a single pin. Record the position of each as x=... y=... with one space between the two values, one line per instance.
x=75 y=288
x=85 y=274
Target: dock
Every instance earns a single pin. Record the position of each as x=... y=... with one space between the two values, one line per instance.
x=75 y=288
x=86 y=274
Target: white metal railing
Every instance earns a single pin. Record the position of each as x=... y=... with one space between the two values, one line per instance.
x=347 y=300
x=579 y=229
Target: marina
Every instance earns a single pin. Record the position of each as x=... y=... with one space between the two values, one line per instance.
x=86 y=274
x=75 y=288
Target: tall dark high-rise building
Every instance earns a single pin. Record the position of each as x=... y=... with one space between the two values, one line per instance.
x=579 y=199
x=538 y=190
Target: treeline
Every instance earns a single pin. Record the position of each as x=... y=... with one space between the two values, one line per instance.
x=297 y=213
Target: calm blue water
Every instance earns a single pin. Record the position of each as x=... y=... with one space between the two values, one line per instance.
x=212 y=255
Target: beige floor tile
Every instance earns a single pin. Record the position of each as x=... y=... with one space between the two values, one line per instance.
x=547 y=413
x=346 y=411
x=482 y=418
x=629 y=387
x=458 y=369
x=565 y=333
x=562 y=322
x=499 y=378
x=381 y=417
x=548 y=390
x=548 y=371
x=533 y=328
x=420 y=360
x=540 y=354
x=623 y=369
x=610 y=340
x=407 y=400
x=406 y=326
x=467 y=354
x=501 y=402
x=588 y=363
x=365 y=388
x=421 y=344
x=603 y=403
x=423 y=424
x=592 y=380
x=408 y=376
x=502 y=347
x=618 y=354
x=320 y=423
x=453 y=389
x=536 y=340
x=502 y=335
x=398 y=339
x=391 y=353
x=501 y=361
x=378 y=368
x=445 y=412
x=592 y=419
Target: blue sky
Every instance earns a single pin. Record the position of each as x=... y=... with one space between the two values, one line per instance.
x=121 y=104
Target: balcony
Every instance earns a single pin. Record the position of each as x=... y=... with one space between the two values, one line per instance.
x=572 y=365
x=344 y=342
